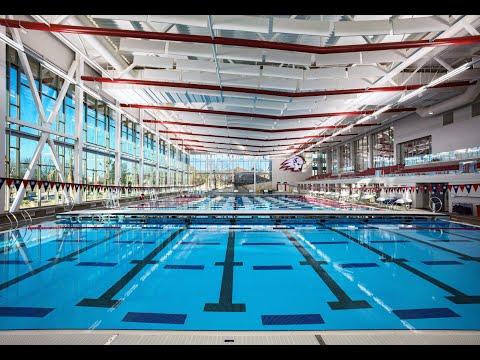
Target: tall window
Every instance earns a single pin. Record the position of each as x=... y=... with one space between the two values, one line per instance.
x=361 y=154
x=383 y=151
x=346 y=158
x=334 y=153
x=416 y=147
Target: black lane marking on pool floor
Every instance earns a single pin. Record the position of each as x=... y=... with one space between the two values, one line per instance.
x=388 y=241
x=225 y=300
x=429 y=313
x=184 y=267
x=449 y=231
x=106 y=299
x=134 y=242
x=344 y=301
x=96 y=263
x=457 y=297
x=15 y=311
x=461 y=255
x=358 y=265
x=328 y=242
x=442 y=262
x=293 y=319
x=155 y=318
x=263 y=243
x=193 y=243
x=272 y=267
x=58 y=260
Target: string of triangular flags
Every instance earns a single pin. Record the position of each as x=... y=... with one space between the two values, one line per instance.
x=421 y=188
x=46 y=185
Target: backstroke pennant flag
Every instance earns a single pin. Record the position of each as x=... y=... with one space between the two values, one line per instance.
x=475 y=187
x=2 y=180
x=455 y=187
x=468 y=187
x=32 y=184
x=462 y=187
x=17 y=183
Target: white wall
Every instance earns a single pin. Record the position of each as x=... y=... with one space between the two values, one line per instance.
x=463 y=133
x=290 y=177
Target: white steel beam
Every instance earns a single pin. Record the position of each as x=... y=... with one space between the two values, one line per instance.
x=118 y=145
x=142 y=156
x=3 y=116
x=39 y=128
x=46 y=122
x=78 y=147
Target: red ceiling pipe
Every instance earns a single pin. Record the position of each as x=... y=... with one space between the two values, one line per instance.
x=259 y=44
x=241 y=127
x=189 y=141
x=246 y=138
x=261 y=116
x=269 y=92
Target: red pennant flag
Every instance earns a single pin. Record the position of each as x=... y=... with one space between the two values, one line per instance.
x=475 y=187
x=450 y=187
x=25 y=183
x=9 y=181
x=62 y=185
x=52 y=185
x=462 y=187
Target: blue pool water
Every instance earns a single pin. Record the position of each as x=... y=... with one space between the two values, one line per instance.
x=330 y=274
x=251 y=203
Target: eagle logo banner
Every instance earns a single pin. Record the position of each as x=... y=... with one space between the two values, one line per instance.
x=294 y=164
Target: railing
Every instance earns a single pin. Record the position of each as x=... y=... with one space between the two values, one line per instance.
x=462 y=154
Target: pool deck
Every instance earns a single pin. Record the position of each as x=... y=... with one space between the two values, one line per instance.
x=141 y=337
x=195 y=212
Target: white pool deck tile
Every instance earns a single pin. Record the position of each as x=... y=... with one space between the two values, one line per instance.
x=140 y=337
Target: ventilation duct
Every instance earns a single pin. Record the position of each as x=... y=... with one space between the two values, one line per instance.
x=467 y=97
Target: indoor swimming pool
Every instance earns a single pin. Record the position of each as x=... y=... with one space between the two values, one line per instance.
x=239 y=202
x=310 y=274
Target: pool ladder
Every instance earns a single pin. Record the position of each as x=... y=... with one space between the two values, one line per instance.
x=10 y=220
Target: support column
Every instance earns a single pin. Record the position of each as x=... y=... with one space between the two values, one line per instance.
x=329 y=161
x=352 y=155
x=3 y=118
x=142 y=157
x=118 y=146
x=370 y=151
x=254 y=177
x=157 y=170
x=168 y=175
x=78 y=146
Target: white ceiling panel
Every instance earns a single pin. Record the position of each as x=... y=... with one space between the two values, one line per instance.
x=307 y=27
x=283 y=72
x=367 y=27
x=334 y=59
x=240 y=23
x=142 y=46
x=153 y=61
x=418 y=25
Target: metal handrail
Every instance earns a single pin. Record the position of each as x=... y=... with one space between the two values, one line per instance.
x=431 y=204
x=15 y=219
x=9 y=220
x=31 y=220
